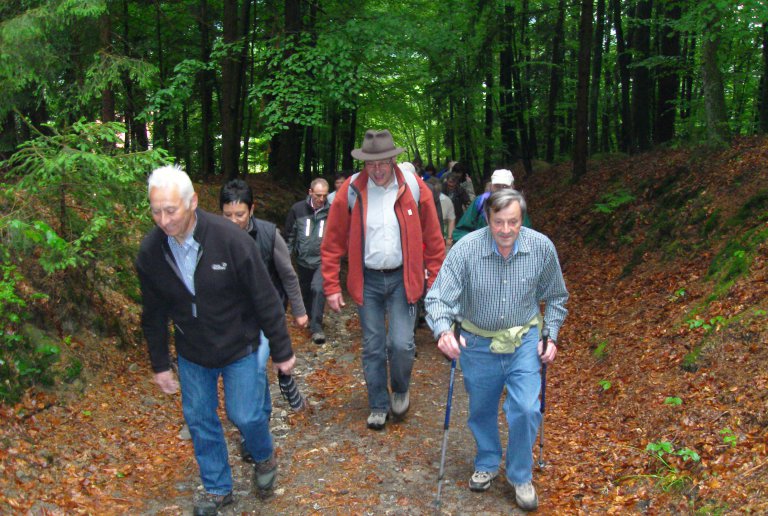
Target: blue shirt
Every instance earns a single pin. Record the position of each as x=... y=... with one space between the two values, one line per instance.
x=186 y=258
x=494 y=292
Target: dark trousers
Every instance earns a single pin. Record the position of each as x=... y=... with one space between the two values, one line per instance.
x=311 y=284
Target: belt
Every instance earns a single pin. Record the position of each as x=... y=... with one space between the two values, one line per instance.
x=386 y=271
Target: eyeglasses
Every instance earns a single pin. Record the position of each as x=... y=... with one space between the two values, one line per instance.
x=380 y=165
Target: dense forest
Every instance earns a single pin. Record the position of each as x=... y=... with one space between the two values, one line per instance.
x=638 y=130
x=229 y=87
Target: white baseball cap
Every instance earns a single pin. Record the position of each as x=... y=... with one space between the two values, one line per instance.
x=502 y=177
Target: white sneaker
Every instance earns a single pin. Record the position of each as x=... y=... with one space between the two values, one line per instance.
x=377 y=420
x=525 y=496
x=481 y=480
x=400 y=403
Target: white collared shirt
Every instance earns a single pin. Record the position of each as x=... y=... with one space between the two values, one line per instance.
x=383 y=249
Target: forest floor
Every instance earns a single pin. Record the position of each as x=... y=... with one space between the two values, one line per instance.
x=618 y=385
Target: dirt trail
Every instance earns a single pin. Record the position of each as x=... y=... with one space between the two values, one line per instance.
x=331 y=463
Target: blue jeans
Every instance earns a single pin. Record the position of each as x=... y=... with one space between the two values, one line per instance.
x=384 y=301
x=486 y=374
x=262 y=358
x=244 y=386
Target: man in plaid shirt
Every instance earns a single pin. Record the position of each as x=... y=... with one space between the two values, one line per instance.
x=495 y=278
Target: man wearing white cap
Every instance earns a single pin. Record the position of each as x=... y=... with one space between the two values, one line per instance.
x=474 y=217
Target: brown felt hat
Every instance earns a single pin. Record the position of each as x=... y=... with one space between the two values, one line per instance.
x=377 y=145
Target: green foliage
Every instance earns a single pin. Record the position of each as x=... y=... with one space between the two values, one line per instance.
x=22 y=363
x=604 y=384
x=302 y=77
x=94 y=187
x=714 y=323
x=614 y=200
x=601 y=350
x=670 y=477
x=728 y=437
x=673 y=400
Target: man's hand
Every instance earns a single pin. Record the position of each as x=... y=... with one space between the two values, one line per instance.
x=336 y=302
x=285 y=367
x=167 y=382
x=302 y=322
x=549 y=356
x=448 y=345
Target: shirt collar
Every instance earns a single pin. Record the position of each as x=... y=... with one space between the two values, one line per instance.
x=520 y=245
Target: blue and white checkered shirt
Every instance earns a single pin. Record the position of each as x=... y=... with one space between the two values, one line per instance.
x=186 y=258
x=495 y=293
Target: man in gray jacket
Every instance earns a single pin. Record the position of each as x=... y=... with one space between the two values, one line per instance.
x=304 y=230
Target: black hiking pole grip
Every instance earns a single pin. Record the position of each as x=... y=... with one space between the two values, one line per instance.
x=446 y=424
x=544 y=343
x=290 y=391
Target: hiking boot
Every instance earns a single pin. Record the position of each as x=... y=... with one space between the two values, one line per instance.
x=318 y=337
x=525 y=496
x=264 y=474
x=244 y=453
x=209 y=504
x=481 y=480
x=377 y=420
x=400 y=403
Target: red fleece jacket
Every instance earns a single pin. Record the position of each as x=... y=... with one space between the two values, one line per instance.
x=420 y=236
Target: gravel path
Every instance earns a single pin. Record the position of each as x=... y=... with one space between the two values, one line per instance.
x=330 y=463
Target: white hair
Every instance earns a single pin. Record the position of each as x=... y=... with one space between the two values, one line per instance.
x=171 y=176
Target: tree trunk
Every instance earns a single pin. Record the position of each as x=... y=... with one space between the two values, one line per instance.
x=506 y=101
x=641 y=78
x=205 y=80
x=712 y=84
x=580 y=141
x=349 y=120
x=669 y=79
x=555 y=79
x=488 y=127
x=597 y=66
x=107 y=94
x=623 y=60
x=285 y=147
x=689 y=57
x=762 y=100
x=232 y=74
x=160 y=133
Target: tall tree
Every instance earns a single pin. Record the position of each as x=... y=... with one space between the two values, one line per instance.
x=555 y=80
x=597 y=66
x=641 y=77
x=762 y=102
x=580 y=142
x=623 y=60
x=712 y=82
x=667 y=72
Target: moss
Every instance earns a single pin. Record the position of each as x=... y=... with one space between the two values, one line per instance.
x=712 y=222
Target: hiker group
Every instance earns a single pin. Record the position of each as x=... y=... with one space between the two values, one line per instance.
x=224 y=288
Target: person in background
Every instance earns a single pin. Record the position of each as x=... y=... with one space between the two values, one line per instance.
x=338 y=180
x=474 y=217
x=304 y=230
x=447 y=212
x=236 y=204
x=385 y=222
x=496 y=278
x=457 y=194
x=464 y=180
x=206 y=276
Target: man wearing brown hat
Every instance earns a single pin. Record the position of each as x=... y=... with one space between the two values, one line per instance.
x=385 y=222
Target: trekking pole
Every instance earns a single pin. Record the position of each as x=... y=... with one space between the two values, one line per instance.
x=446 y=424
x=544 y=342
x=290 y=391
